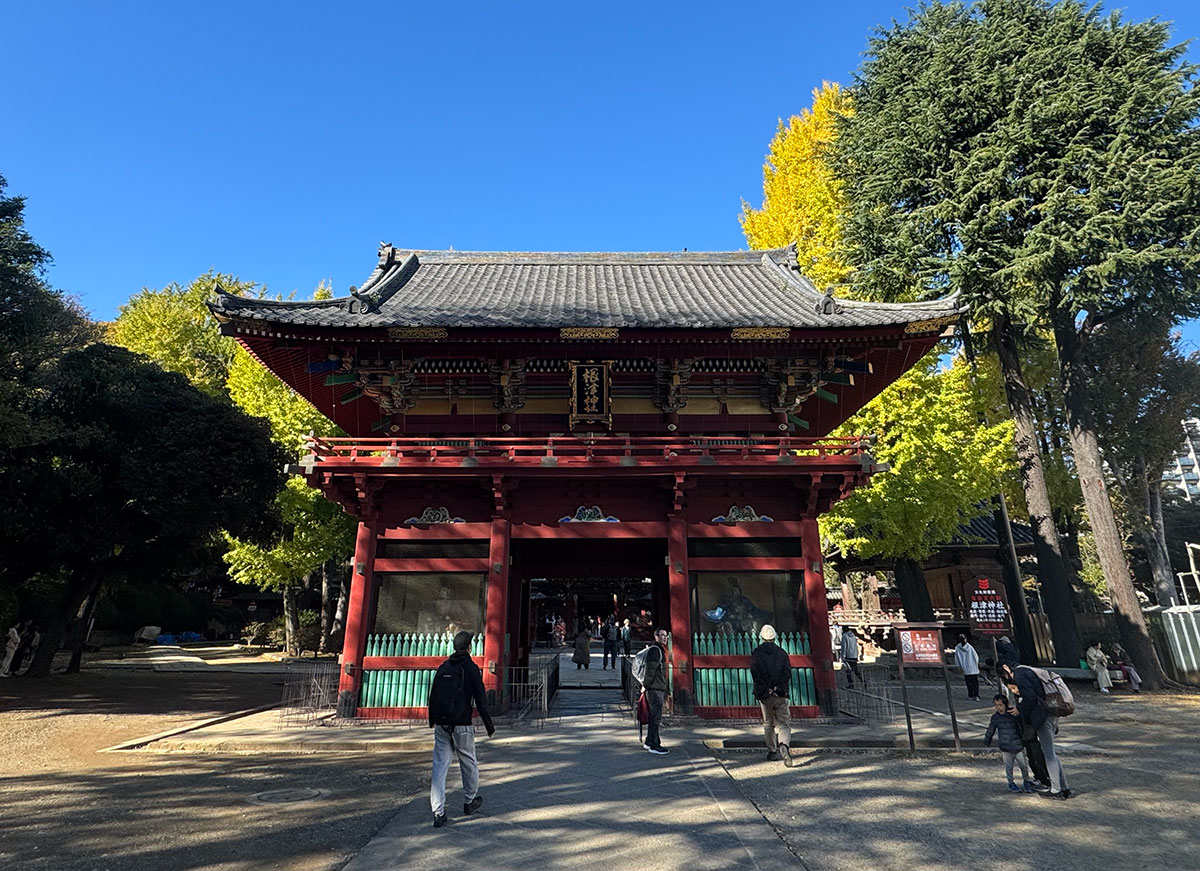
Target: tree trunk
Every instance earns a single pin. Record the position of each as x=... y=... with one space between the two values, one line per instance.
x=339 y=613
x=1090 y=469
x=326 y=609
x=1022 y=633
x=81 y=637
x=914 y=594
x=1053 y=574
x=81 y=585
x=1159 y=556
x=291 y=620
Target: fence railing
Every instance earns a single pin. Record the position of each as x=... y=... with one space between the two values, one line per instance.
x=309 y=694
x=572 y=451
x=528 y=692
x=873 y=698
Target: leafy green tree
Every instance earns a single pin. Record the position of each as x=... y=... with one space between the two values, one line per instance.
x=1144 y=386
x=145 y=471
x=174 y=328
x=944 y=467
x=37 y=326
x=1041 y=159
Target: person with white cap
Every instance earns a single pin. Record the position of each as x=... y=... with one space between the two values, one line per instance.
x=772 y=673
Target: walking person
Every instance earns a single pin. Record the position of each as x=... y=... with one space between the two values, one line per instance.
x=1097 y=661
x=1006 y=727
x=608 y=634
x=968 y=660
x=582 y=657
x=12 y=642
x=772 y=673
x=849 y=650
x=627 y=637
x=655 y=684
x=1031 y=696
x=457 y=684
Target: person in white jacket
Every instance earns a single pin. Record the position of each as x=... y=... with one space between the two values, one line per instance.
x=968 y=661
x=10 y=648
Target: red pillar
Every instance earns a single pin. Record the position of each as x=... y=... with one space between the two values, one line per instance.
x=497 y=606
x=679 y=597
x=358 y=609
x=818 y=613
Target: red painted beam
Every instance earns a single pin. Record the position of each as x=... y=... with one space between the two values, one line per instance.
x=447 y=564
x=358 y=612
x=747 y=563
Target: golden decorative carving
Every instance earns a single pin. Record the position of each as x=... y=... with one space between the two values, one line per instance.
x=930 y=326
x=760 y=333
x=417 y=332
x=588 y=333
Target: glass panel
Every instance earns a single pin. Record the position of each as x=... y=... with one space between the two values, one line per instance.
x=729 y=547
x=431 y=602
x=733 y=606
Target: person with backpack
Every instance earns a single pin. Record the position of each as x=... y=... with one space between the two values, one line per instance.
x=1032 y=702
x=772 y=673
x=849 y=650
x=655 y=682
x=457 y=684
x=608 y=634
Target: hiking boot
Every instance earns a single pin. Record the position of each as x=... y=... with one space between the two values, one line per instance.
x=1057 y=796
x=773 y=756
x=786 y=752
x=439 y=820
x=1012 y=787
x=473 y=805
x=659 y=751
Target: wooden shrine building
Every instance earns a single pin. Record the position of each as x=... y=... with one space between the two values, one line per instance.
x=649 y=429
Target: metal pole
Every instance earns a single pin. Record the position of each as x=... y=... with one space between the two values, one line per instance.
x=950 y=702
x=912 y=744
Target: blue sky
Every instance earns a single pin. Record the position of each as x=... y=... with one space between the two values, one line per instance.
x=282 y=142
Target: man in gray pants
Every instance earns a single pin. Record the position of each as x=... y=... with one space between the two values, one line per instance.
x=457 y=684
x=1031 y=704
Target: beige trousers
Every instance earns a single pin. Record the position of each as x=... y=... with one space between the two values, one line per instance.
x=777 y=717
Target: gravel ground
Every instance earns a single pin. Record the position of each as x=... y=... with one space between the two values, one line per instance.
x=68 y=807
x=1135 y=804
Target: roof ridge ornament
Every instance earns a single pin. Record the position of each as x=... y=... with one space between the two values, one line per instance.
x=828 y=305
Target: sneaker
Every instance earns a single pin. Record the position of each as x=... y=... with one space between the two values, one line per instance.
x=1038 y=786
x=473 y=805
x=773 y=756
x=1057 y=796
x=1104 y=690
x=787 y=754
x=658 y=751
x=1029 y=786
x=1012 y=787
x=439 y=820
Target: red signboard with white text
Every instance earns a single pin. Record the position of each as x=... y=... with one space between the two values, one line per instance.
x=920 y=646
x=987 y=607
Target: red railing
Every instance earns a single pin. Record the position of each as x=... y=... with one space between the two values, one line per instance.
x=582 y=451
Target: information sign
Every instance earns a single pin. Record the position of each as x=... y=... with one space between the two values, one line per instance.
x=987 y=607
x=921 y=646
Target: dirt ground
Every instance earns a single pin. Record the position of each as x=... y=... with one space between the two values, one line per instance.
x=68 y=807
x=1136 y=795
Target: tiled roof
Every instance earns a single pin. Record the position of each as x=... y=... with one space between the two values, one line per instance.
x=982 y=530
x=497 y=290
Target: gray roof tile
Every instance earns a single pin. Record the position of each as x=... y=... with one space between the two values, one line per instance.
x=551 y=290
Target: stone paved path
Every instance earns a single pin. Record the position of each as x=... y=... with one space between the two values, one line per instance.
x=582 y=793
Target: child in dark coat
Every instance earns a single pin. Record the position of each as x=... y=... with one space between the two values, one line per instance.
x=1006 y=728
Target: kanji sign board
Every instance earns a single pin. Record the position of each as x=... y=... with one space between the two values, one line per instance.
x=987 y=607
x=920 y=646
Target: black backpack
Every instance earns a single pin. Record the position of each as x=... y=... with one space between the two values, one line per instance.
x=449 y=704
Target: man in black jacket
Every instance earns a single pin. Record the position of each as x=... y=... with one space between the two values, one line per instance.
x=655 y=684
x=457 y=684
x=1031 y=697
x=772 y=673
